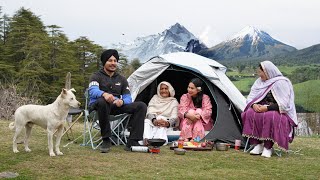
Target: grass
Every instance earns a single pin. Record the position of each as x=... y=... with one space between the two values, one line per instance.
x=244 y=85
x=307 y=96
x=286 y=70
x=80 y=162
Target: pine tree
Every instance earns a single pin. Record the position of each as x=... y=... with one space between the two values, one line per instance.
x=26 y=49
x=62 y=60
x=6 y=70
x=88 y=57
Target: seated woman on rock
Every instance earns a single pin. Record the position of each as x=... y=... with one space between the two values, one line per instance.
x=270 y=114
x=162 y=113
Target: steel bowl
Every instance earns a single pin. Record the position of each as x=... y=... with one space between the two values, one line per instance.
x=179 y=151
x=222 y=146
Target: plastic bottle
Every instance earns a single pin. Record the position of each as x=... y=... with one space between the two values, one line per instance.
x=180 y=143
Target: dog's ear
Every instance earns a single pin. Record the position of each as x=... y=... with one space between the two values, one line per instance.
x=73 y=90
x=64 y=91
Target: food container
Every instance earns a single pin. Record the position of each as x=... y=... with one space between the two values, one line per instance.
x=222 y=146
x=179 y=151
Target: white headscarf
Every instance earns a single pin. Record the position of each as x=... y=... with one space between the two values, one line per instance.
x=280 y=87
x=165 y=106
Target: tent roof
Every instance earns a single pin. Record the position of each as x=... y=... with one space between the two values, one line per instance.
x=212 y=70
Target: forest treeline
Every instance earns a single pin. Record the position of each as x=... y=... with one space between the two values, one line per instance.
x=36 y=58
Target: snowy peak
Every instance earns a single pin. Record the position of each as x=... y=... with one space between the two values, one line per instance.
x=247 y=31
x=174 y=39
x=250 y=42
x=178 y=29
x=252 y=34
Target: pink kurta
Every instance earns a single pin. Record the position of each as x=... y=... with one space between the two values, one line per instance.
x=193 y=130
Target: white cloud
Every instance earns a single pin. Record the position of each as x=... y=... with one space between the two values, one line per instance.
x=204 y=35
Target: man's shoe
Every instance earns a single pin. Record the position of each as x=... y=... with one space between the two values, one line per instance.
x=105 y=146
x=257 y=149
x=266 y=153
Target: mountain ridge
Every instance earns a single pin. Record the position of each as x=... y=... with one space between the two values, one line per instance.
x=250 y=42
x=174 y=39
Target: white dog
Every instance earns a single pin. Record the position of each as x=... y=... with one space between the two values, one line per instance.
x=50 y=117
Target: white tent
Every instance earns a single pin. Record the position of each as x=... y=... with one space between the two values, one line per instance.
x=212 y=70
x=178 y=69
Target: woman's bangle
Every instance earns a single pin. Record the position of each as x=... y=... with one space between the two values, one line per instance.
x=184 y=115
x=168 y=124
x=153 y=119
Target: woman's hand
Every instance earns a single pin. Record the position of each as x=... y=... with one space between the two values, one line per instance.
x=259 y=108
x=161 y=123
x=193 y=117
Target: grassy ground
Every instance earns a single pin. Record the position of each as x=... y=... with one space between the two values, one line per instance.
x=80 y=162
x=307 y=96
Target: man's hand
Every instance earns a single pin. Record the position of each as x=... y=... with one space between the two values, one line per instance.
x=108 y=97
x=118 y=102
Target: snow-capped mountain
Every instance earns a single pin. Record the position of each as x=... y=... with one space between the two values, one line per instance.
x=250 y=42
x=174 y=39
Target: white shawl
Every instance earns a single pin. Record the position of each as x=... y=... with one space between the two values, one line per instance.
x=164 y=106
x=280 y=87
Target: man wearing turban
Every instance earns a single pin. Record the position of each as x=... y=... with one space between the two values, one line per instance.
x=109 y=94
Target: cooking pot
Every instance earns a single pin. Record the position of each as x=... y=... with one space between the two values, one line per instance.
x=156 y=142
x=222 y=146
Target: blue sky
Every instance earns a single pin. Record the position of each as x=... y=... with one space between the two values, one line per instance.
x=294 y=22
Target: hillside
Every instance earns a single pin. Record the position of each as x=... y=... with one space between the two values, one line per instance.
x=307 y=95
x=309 y=55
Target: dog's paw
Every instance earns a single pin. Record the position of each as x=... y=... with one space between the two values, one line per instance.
x=52 y=154
x=27 y=150
x=59 y=153
x=15 y=151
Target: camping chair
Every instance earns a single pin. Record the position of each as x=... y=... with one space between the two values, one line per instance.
x=91 y=132
x=70 y=123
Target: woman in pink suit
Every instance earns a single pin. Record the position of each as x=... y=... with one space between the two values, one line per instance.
x=195 y=111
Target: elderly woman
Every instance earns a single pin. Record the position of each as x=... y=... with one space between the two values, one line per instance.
x=270 y=114
x=162 y=113
x=195 y=110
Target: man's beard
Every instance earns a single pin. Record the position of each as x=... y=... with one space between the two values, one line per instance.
x=111 y=70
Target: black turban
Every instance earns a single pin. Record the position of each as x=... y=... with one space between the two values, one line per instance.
x=107 y=54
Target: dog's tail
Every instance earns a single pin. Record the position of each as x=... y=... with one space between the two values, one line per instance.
x=11 y=126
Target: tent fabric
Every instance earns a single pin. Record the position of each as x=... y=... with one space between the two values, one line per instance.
x=212 y=70
x=178 y=68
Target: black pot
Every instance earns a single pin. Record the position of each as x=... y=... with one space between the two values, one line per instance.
x=156 y=142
